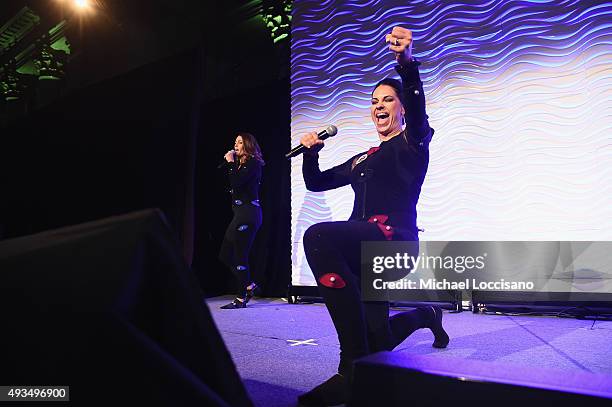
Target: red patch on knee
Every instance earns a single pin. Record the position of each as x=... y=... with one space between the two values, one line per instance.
x=332 y=280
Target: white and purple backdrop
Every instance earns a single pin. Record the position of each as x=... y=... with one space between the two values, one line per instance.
x=520 y=96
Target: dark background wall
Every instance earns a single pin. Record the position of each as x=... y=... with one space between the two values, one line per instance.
x=148 y=129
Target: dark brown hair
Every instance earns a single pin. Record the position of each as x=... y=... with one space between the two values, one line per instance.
x=251 y=147
x=396 y=85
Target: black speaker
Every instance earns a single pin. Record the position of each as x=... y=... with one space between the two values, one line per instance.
x=110 y=309
x=399 y=379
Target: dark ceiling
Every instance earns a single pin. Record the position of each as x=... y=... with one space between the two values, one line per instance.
x=123 y=35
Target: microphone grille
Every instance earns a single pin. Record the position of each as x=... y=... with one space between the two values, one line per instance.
x=331 y=130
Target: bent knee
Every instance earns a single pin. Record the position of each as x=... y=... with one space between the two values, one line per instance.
x=316 y=232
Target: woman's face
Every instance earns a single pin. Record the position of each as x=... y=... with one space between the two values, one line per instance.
x=386 y=110
x=239 y=146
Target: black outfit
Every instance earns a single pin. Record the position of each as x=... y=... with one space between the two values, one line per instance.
x=387 y=182
x=239 y=236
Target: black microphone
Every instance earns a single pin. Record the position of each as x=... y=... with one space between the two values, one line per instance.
x=330 y=131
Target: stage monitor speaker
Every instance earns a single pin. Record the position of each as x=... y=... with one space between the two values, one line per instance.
x=399 y=379
x=110 y=309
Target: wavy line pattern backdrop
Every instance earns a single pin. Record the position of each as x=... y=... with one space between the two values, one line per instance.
x=520 y=96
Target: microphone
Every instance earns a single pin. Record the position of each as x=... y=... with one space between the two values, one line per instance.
x=225 y=162
x=330 y=131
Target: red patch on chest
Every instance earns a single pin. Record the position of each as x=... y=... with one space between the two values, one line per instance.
x=372 y=150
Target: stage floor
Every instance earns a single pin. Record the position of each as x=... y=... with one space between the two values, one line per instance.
x=282 y=350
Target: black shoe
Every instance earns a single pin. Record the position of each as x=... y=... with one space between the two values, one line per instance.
x=332 y=392
x=250 y=291
x=237 y=303
x=441 y=338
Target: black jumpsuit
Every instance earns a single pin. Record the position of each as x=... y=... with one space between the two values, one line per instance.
x=387 y=182
x=239 y=236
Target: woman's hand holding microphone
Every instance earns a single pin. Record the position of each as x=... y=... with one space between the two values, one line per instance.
x=312 y=141
x=229 y=156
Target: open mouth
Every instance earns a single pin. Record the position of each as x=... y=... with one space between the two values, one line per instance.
x=382 y=117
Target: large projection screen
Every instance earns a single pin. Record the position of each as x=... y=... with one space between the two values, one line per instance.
x=520 y=96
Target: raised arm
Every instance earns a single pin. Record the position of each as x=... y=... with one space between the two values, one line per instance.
x=417 y=126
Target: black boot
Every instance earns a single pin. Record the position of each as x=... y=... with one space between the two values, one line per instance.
x=250 y=291
x=237 y=303
x=441 y=338
x=405 y=323
x=332 y=392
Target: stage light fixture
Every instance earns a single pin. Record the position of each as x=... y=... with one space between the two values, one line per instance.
x=81 y=4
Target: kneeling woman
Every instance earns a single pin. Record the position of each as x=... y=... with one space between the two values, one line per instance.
x=387 y=182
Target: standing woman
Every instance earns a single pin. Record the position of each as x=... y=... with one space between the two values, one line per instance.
x=244 y=164
x=387 y=181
